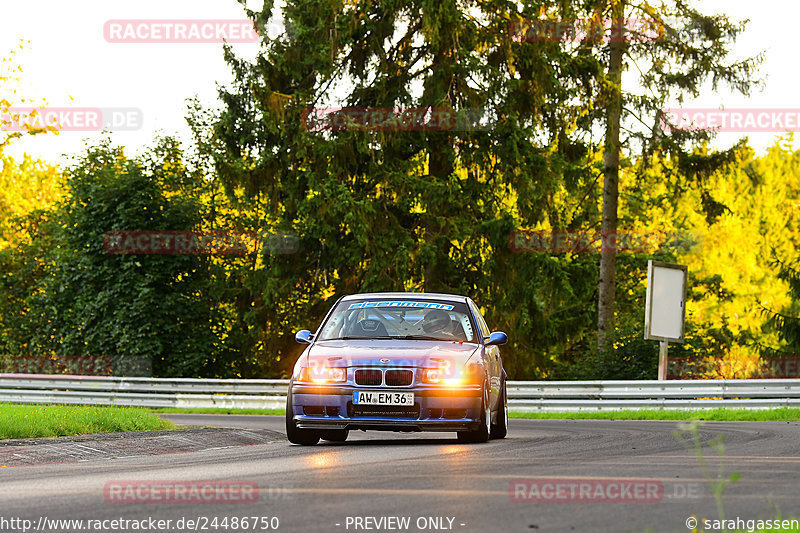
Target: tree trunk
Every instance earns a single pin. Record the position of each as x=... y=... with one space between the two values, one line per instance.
x=440 y=166
x=440 y=158
x=608 y=258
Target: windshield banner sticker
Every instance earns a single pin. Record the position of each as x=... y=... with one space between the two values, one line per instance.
x=424 y=305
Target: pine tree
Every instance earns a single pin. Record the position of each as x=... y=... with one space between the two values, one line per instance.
x=673 y=50
x=786 y=321
x=405 y=210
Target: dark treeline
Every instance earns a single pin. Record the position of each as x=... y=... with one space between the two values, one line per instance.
x=553 y=140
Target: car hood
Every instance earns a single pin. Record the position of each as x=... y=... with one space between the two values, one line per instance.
x=417 y=353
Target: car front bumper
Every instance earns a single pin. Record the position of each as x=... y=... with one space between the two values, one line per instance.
x=435 y=408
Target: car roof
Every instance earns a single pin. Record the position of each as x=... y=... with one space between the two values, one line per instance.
x=414 y=295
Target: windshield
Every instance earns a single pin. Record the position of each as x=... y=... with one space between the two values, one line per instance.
x=399 y=319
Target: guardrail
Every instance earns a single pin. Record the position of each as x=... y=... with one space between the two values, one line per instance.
x=184 y=393
x=528 y=396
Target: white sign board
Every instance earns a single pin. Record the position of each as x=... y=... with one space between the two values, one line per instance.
x=665 y=308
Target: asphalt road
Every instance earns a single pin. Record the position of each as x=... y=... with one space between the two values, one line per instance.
x=436 y=483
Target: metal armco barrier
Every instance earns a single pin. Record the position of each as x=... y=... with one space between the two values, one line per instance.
x=184 y=393
x=528 y=396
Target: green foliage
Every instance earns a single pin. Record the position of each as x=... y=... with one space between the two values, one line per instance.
x=406 y=210
x=786 y=322
x=409 y=210
x=733 y=276
x=139 y=310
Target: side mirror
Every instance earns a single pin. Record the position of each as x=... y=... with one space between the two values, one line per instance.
x=497 y=338
x=303 y=336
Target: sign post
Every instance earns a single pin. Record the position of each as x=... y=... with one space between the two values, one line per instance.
x=665 y=307
x=663 y=346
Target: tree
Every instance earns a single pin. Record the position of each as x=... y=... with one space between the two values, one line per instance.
x=395 y=209
x=11 y=127
x=690 y=50
x=141 y=311
x=28 y=186
x=28 y=190
x=786 y=322
x=729 y=255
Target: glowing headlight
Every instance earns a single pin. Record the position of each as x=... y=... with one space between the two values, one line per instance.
x=434 y=376
x=323 y=374
x=447 y=375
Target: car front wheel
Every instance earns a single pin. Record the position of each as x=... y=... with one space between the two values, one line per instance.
x=500 y=427
x=306 y=437
x=482 y=432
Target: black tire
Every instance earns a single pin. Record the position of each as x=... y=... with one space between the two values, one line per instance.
x=306 y=437
x=334 y=435
x=482 y=432
x=500 y=428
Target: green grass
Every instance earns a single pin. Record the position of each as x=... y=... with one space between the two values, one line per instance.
x=782 y=414
x=27 y=421
x=219 y=411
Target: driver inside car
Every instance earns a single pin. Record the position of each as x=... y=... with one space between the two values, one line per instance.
x=437 y=323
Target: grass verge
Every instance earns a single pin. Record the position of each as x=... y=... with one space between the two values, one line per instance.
x=219 y=411
x=782 y=414
x=27 y=421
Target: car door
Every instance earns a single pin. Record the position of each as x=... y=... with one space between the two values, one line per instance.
x=491 y=355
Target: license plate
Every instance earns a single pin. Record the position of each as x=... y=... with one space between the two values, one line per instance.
x=370 y=397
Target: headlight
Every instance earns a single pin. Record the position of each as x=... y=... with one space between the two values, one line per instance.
x=433 y=376
x=472 y=374
x=323 y=374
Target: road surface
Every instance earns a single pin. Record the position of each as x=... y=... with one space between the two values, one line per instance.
x=546 y=476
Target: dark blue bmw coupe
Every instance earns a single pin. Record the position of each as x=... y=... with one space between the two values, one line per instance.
x=399 y=362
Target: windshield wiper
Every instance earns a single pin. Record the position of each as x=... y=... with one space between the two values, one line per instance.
x=422 y=338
